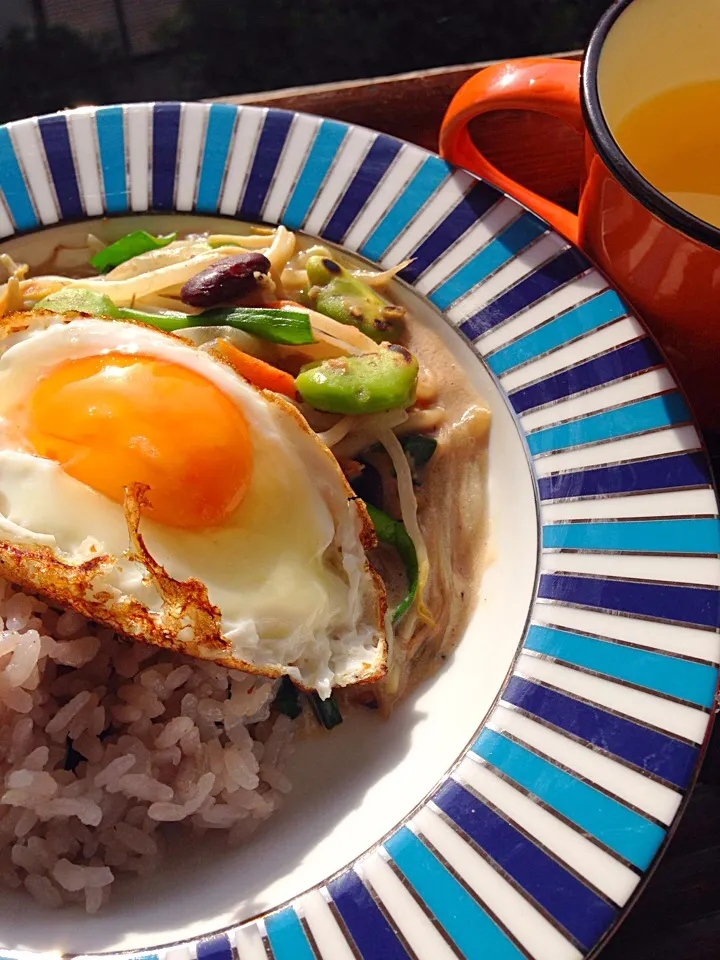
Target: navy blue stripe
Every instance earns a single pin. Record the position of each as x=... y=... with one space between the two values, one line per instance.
x=272 y=140
x=56 y=140
x=619 y=362
x=647 y=749
x=373 y=168
x=474 y=205
x=538 y=284
x=166 y=129
x=661 y=473
x=214 y=948
x=578 y=909
x=664 y=601
x=368 y=927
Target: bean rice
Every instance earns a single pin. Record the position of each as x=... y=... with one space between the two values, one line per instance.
x=104 y=742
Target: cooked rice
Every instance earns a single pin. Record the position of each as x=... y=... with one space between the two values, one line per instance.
x=162 y=738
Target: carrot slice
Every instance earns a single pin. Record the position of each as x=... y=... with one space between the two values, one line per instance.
x=258 y=372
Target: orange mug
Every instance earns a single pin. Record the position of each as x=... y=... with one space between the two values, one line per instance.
x=663 y=258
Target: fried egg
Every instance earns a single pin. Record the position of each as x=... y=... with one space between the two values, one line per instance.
x=147 y=485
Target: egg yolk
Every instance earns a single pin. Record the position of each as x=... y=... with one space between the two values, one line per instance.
x=117 y=419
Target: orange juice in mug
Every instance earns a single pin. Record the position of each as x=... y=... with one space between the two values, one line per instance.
x=672 y=141
x=647 y=100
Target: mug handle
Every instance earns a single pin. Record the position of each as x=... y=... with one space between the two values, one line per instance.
x=540 y=84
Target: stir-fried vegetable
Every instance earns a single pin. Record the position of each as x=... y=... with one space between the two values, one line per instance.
x=287 y=699
x=261 y=374
x=249 y=241
x=369 y=383
x=327 y=711
x=72 y=300
x=328 y=330
x=335 y=292
x=409 y=510
x=419 y=449
x=279 y=326
x=368 y=484
x=394 y=532
x=381 y=278
x=127 y=247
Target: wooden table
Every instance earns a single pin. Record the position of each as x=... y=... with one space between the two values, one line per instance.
x=677 y=916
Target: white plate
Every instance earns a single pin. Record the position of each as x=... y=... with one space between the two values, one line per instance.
x=493 y=815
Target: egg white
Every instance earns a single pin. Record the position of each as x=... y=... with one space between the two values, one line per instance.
x=287 y=569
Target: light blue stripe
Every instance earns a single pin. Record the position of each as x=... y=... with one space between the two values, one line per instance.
x=111 y=138
x=565 y=328
x=217 y=143
x=287 y=937
x=476 y=935
x=691 y=535
x=624 y=831
x=493 y=255
x=17 y=195
x=322 y=153
x=422 y=186
x=664 y=673
x=650 y=414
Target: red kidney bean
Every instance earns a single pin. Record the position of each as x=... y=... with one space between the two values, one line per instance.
x=226 y=280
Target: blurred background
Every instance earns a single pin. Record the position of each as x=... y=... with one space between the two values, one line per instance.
x=61 y=53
